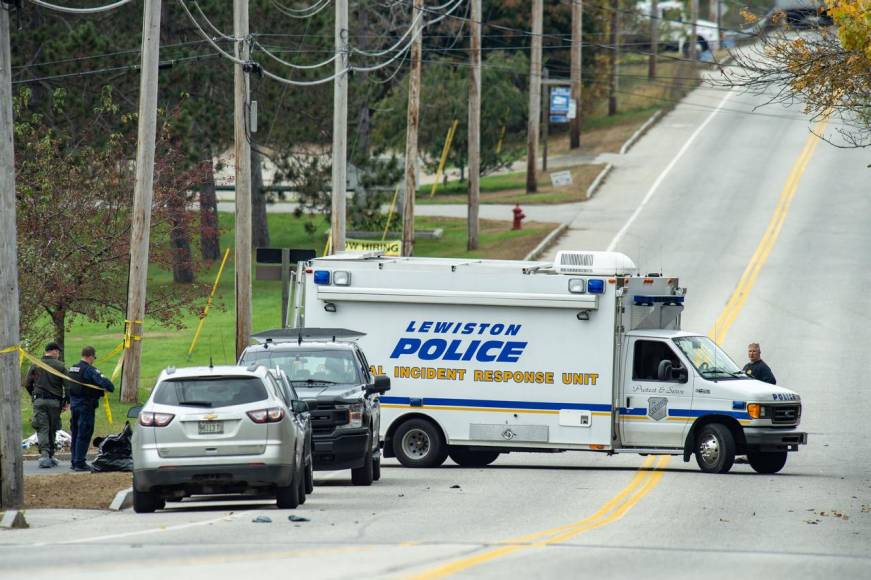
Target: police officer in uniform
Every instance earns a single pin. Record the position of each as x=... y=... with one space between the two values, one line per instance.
x=49 y=399
x=83 y=403
x=757 y=368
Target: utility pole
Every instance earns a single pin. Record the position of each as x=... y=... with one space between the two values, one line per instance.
x=534 y=96
x=694 y=34
x=613 y=36
x=412 y=121
x=340 y=129
x=654 y=39
x=11 y=469
x=545 y=116
x=575 y=66
x=243 y=178
x=474 y=123
x=143 y=196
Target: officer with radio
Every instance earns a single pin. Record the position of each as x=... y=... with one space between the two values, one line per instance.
x=84 y=401
x=49 y=399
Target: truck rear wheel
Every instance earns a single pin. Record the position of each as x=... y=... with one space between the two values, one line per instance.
x=715 y=448
x=418 y=443
x=770 y=462
x=472 y=458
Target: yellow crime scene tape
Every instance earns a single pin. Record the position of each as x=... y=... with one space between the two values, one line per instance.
x=208 y=304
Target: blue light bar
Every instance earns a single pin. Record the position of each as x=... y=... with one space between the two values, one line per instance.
x=322 y=277
x=596 y=286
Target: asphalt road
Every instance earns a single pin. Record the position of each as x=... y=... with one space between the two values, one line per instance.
x=735 y=203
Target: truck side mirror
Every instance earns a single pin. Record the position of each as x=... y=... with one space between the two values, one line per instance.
x=380 y=385
x=680 y=374
x=299 y=406
x=133 y=412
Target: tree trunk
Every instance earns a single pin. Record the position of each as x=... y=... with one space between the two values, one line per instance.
x=58 y=320
x=179 y=237
x=259 y=225
x=210 y=241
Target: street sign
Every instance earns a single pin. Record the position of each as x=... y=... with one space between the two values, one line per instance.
x=561 y=178
x=560 y=104
x=389 y=247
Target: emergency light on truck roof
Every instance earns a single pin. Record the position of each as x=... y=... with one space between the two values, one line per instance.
x=322 y=277
x=594 y=263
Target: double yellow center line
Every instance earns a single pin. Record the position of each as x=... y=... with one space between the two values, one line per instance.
x=646 y=478
x=766 y=244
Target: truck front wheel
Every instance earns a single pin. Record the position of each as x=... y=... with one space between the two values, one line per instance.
x=715 y=448
x=768 y=463
x=418 y=443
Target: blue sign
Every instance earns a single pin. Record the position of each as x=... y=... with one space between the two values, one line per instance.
x=560 y=104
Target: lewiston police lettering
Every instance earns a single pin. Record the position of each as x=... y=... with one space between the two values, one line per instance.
x=465 y=345
x=461 y=349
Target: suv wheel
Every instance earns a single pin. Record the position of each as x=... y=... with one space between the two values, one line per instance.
x=418 y=443
x=366 y=474
x=376 y=469
x=146 y=502
x=287 y=496
x=309 y=478
x=300 y=486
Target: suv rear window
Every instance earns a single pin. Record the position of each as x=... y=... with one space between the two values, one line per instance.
x=329 y=366
x=211 y=392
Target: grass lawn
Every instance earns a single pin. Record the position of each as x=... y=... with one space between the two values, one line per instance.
x=164 y=347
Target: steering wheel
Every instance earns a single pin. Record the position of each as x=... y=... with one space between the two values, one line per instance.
x=704 y=366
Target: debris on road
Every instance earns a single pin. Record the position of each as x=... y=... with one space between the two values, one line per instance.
x=455 y=486
x=262 y=520
x=294 y=518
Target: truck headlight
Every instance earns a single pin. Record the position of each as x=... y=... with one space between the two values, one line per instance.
x=757 y=411
x=355 y=414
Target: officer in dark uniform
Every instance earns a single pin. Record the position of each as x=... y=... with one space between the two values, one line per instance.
x=83 y=403
x=49 y=399
x=757 y=368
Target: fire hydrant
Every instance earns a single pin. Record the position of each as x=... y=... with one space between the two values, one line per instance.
x=518 y=216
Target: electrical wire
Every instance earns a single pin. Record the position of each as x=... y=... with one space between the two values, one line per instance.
x=214 y=28
x=279 y=60
x=301 y=13
x=69 y=10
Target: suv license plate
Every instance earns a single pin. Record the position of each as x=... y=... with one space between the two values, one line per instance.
x=211 y=427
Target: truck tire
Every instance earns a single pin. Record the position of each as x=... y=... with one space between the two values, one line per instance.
x=468 y=458
x=366 y=474
x=287 y=496
x=715 y=448
x=376 y=469
x=767 y=462
x=146 y=502
x=418 y=443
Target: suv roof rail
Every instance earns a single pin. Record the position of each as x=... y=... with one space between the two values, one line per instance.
x=305 y=334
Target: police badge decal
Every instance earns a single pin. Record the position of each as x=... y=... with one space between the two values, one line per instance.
x=657 y=408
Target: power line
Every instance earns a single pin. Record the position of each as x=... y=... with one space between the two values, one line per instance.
x=302 y=13
x=69 y=10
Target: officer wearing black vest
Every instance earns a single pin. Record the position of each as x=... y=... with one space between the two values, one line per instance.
x=83 y=404
x=49 y=399
x=757 y=368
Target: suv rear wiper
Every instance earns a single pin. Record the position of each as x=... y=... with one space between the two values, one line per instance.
x=195 y=403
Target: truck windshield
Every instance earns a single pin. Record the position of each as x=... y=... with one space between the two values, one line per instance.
x=306 y=368
x=710 y=360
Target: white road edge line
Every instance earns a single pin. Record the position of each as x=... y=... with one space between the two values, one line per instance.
x=665 y=172
x=141 y=532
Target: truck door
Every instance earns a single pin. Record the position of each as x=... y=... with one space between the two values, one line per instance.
x=657 y=395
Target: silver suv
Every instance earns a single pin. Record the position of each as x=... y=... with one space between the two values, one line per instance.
x=218 y=430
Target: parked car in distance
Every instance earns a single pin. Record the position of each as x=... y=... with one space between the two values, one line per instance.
x=219 y=430
x=330 y=372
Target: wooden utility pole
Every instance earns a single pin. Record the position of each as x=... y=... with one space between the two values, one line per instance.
x=11 y=469
x=474 y=123
x=412 y=122
x=340 y=129
x=654 y=39
x=575 y=73
x=243 y=179
x=143 y=196
x=694 y=34
x=545 y=116
x=534 y=96
x=613 y=36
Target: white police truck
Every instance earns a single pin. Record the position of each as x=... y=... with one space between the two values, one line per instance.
x=492 y=356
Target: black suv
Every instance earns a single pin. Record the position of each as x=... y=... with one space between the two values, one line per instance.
x=329 y=371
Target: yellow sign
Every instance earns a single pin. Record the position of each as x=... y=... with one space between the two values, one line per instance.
x=389 y=247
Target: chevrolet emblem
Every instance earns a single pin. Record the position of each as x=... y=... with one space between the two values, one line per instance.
x=210 y=417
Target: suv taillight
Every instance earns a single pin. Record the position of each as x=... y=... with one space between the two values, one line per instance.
x=149 y=419
x=271 y=415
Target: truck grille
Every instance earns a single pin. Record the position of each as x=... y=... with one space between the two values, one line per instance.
x=326 y=420
x=785 y=414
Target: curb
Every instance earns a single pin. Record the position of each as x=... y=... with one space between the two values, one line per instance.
x=599 y=180
x=123 y=500
x=641 y=131
x=546 y=243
